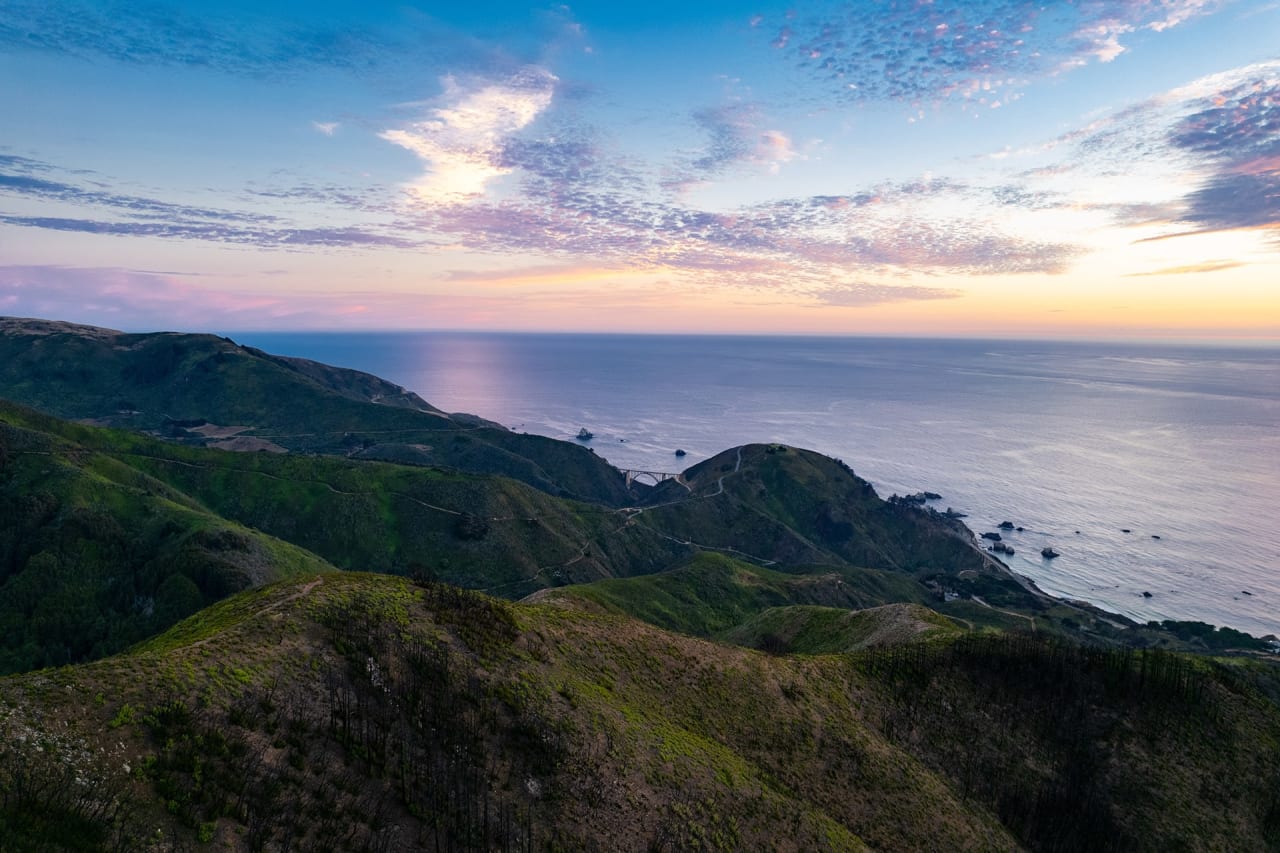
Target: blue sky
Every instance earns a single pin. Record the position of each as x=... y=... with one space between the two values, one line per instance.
x=938 y=168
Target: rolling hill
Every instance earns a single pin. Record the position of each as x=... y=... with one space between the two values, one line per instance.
x=360 y=712
x=209 y=391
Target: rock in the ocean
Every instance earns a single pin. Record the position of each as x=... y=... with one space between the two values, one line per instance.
x=680 y=452
x=1049 y=553
x=1146 y=594
x=1006 y=525
x=994 y=537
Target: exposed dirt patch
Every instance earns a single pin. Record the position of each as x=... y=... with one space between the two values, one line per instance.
x=217 y=431
x=246 y=444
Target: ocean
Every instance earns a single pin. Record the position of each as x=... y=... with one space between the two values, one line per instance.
x=1077 y=443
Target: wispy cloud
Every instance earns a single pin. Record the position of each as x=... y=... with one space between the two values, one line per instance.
x=977 y=51
x=798 y=244
x=540 y=273
x=138 y=299
x=1237 y=130
x=103 y=211
x=736 y=136
x=1185 y=269
x=859 y=294
x=463 y=139
x=99 y=295
x=275 y=238
x=1204 y=157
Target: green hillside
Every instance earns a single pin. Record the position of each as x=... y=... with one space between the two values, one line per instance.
x=357 y=712
x=815 y=630
x=209 y=391
x=800 y=507
x=107 y=537
x=95 y=555
x=713 y=593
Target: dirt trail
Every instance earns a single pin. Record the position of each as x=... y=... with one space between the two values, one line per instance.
x=1030 y=619
x=276 y=605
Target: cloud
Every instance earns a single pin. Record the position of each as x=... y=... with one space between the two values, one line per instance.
x=1239 y=123
x=102 y=211
x=1237 y=131
x=137 y=299
x=211 y=232
x=463 y=140
x=29 y=186
x=801 y=245
x=966 y=50
x=98 y=294
x=1228 y=201
x=736 y=136
x=540 y=273
x=328 y=128
x=565 y=156
x=1201 y=158
x=860 y=294
x=1207 y=266
x=141 y=300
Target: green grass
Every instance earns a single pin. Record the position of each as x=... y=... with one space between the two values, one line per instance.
x=811 y=630
x=709 y=594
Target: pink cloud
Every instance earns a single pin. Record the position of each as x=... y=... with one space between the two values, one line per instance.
x=139 y=299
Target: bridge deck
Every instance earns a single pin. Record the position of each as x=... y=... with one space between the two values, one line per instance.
x=656 y=476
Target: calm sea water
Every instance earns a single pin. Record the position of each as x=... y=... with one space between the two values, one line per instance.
x=1073 y=441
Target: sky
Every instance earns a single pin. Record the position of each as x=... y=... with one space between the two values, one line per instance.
x=906 y=167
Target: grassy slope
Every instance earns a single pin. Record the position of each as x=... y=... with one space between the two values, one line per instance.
x=712 y=593
x=708 y=595
x=369 y=696
x=96 y=555
x=356 y=711
x=816 y=630
x=477 y=531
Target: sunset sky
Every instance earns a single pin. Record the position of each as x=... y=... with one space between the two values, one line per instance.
x=926 y=168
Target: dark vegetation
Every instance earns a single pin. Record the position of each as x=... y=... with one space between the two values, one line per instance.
x=1208 y=637
x=361 y=712
x=1058 y=739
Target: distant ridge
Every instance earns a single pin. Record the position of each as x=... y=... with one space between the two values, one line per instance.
x=206 y=390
